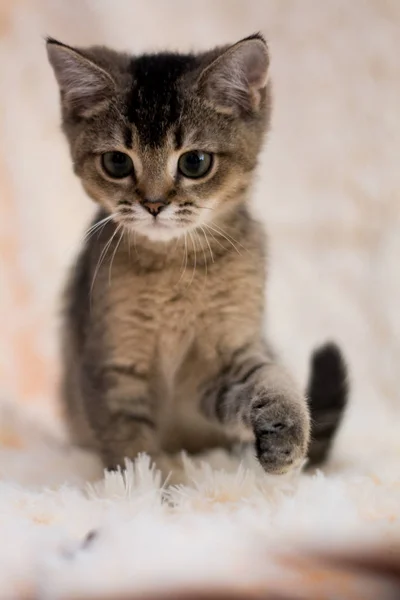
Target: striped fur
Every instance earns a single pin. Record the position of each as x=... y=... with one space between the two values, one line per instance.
x=162 y=339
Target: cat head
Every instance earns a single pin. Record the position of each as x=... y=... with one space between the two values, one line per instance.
x=166 y=142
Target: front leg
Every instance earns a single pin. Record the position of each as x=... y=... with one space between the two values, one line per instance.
x=125 y=416
x=255 y=396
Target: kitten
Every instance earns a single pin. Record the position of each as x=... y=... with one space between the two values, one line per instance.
x=163 y=342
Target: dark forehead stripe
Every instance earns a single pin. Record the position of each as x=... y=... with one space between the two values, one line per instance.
x=178 y=137
x=154 y=103
x=128 y=137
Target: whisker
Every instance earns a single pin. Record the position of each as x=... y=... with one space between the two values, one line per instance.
x=102 y=257
x=128 y=240
x=134 y=244
x=98 y=223
x=96 y=226
x=216 y=240
x=175 y=247
x=195 y=258
x=185 y=256
x=205 y=257
x=113 y=256
x=208 y=243
x=230 y=237
x=224 y=236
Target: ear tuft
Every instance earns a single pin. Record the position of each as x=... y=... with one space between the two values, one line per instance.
x=85 y=87
x=235 y=79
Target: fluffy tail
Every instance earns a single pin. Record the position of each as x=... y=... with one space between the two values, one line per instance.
x=327 y=393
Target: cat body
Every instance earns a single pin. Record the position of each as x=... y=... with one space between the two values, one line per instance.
x=163 y=338
x=165 y=329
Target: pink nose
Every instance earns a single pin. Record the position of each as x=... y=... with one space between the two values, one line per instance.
x=154 y=206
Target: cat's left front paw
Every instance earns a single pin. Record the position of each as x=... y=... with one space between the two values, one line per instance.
x=282 y=431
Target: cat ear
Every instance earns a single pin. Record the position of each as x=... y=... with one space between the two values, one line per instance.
x=85 y=87
x=234 y=81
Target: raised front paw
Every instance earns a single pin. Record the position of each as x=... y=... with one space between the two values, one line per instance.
x=282 y=431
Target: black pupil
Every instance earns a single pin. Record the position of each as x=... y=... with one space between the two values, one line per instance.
x=117 y=164
x=121 y=161
x=193 y=161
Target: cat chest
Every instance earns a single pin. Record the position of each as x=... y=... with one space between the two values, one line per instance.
x=154 y=314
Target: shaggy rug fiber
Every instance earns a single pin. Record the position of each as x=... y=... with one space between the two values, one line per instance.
x=69 y=531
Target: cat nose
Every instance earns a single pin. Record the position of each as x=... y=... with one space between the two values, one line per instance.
x=154 y=207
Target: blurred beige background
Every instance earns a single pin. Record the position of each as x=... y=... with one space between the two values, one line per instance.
x=328 y=185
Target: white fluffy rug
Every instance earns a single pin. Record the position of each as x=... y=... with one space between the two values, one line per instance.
x=224 y=529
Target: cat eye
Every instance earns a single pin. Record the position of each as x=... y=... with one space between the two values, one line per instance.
x=117 y=164
x=195 y=164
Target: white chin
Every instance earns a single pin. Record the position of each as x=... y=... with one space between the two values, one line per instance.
x=157 y=233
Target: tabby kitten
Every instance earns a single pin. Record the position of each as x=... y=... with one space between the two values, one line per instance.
x=163 y=342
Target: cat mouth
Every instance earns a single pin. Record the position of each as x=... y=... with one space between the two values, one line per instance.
x=156 y=229
x=157 y=224
x=165 y=224
x=153 y=223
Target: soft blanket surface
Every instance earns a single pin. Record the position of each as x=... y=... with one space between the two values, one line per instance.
x=68 y=531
